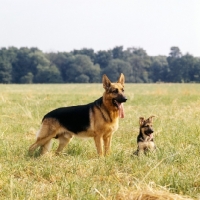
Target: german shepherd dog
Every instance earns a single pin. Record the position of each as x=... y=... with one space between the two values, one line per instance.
x=98 y=119
x=145 y=138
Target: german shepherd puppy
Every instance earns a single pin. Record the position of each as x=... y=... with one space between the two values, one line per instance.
x=145 y=138
x=98 y=119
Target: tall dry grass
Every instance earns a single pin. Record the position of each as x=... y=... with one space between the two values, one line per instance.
x=171 y=173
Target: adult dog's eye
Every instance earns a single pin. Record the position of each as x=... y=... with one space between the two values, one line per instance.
x=115 y=91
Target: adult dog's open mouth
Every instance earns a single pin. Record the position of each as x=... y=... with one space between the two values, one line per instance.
x=120 y=106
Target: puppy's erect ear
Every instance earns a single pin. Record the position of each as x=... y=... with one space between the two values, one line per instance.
x=151 y=118
x=106 y=82
x=121 y=79
x=141 y=121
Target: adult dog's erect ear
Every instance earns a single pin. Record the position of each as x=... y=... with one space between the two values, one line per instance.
x=121 y=79
x=106 y=82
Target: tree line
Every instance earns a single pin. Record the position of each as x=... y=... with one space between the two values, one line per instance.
x=31 y=65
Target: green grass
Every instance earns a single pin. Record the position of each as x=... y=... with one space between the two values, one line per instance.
x=78 y=173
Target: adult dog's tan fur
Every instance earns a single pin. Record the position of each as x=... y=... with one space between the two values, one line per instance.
x=100 y=120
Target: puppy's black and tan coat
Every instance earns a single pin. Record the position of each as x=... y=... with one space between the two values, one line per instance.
x=145 y=138
x=98 y=119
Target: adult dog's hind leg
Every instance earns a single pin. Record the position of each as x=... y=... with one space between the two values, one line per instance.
x=64 y=139
x=46 y=147
x=49 y=130
x=41 y=134
x=42 y=141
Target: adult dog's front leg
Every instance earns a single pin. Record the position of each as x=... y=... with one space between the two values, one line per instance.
x=107 y=144
x=99 y=145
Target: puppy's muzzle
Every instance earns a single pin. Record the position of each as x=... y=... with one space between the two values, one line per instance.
x=149 y=131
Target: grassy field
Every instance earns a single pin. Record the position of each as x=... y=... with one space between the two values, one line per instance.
x=173 y=172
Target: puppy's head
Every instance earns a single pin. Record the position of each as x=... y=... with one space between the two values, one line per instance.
x=146 y=125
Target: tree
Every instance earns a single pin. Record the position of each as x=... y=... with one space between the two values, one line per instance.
x=26 y=62
x=190 y=68
x=103 y=58
x=175 y=52
x=48 y=74
x=82 y=65
x=7 y=57
x=5 y=72
x=82 y=79
x=87 y=52
x=159 y=69
x=195 y=73
x=28 y=78
x=30 y=65
x=63 y=61
x=116 y=67
x=140 y=68
x=118 y=52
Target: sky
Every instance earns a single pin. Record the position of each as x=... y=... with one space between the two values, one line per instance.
x=65 y=25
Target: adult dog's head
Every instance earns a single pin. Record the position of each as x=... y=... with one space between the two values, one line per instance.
x=114 y=93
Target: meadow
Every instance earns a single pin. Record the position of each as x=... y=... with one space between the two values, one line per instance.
x=173 y=172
